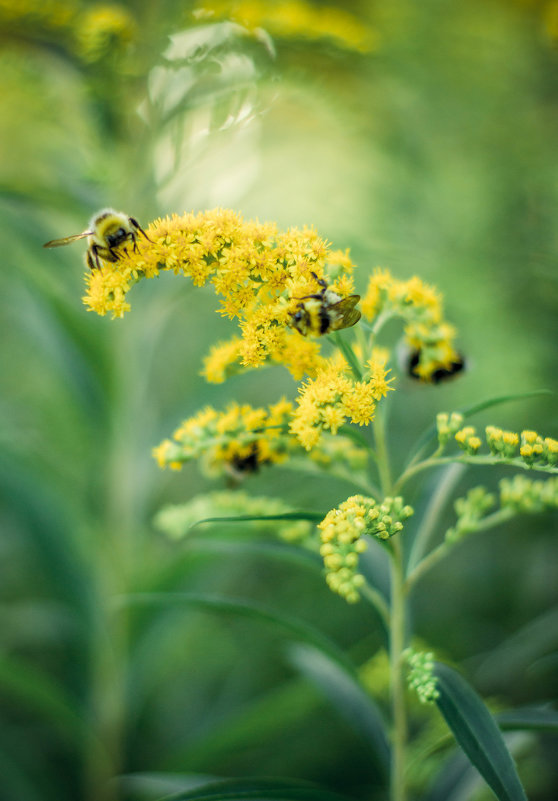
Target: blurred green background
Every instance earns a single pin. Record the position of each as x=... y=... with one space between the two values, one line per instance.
x=422 y=136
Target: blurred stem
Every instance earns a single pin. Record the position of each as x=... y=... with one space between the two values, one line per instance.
x=397 y=683
x=434 y=461
x=349 y=354
x=382 y=456
x=435 y=556
x=378 y=602
x=396 y=624
x=431 y=517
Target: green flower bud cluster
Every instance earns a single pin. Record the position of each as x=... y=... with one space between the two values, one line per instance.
x=534 y=450
x=524 y=495
x=342 y=533
x=448 y=425
x=421 y=676
x=176 y=520
x=470 y=511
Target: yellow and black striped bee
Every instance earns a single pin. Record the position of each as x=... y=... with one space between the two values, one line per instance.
x=324 y=311
x=107 y=230
x=456 y=366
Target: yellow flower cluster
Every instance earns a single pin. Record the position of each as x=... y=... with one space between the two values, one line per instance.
x=447 y=425
x=93 y=32
x=241 y=439
x=427 y=334
x=342 y=533
x=102 y=28
x=468 y=440
x=534 y=450
x=333 y=397
x=295 y=18
x=259 y=273
x=237 y=441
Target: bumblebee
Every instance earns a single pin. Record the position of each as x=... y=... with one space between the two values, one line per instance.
x=324 y=311
x=108 y=229
x=456 y=366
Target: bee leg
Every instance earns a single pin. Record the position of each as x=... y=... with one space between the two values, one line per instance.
x=138 y=227
x=320 y=281
x=93 y=256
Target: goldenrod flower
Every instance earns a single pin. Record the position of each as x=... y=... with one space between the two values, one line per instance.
x=420 y=306
x=332 y=397
x=296 y=18
x=242 y=438
x=259 y=274
x=448 y=425
x=468 y=440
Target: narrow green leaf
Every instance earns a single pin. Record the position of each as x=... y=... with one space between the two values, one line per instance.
x=257 y=790
x=246 y=608
x=312 y=516
x=541 y=718
x=345 y=692
x=478 y=734
x=468 y=411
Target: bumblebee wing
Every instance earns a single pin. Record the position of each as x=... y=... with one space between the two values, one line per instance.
x=56 y=243
x=348 y=314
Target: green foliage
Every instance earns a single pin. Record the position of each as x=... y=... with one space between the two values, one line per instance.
x=432 y=153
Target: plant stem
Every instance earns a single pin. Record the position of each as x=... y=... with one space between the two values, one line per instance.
x=397 y=626
x=428 y=527
x=397 y=644
x=378 y=602
x=382 y=457
x=432 y=559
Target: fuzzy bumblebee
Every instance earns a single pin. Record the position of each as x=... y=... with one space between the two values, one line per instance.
x=107 y=230
x=324 y=311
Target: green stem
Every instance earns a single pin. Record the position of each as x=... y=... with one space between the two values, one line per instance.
x=349 y=354
x=436 y=555
x=433 y=461
x=378 y=602
x=382 y=456
x=397 y=644
x=397 y=626
x=429 y=523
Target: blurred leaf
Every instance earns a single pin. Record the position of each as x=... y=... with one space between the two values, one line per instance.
x=458 y=780
x=257 y=789
x=478 y=734
x=246 y=608
x=515 y=655
x=147 y=786
x=347 y=695
x=541 y=718
x=279 y=711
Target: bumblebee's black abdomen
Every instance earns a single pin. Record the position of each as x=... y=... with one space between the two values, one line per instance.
x=324 y=319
